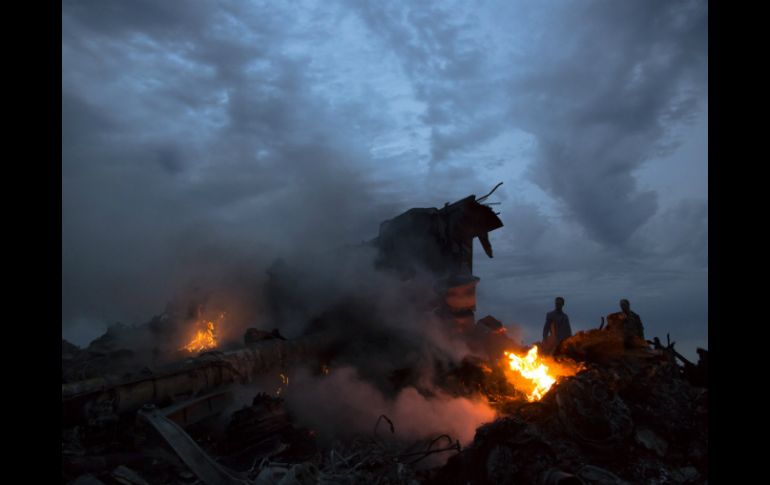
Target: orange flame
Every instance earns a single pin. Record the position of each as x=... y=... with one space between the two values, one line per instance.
x=204 y=339
x=533 y=375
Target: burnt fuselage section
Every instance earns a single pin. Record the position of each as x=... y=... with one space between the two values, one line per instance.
x=440 y=241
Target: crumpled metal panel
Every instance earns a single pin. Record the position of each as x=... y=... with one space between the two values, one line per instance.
x=199 y=462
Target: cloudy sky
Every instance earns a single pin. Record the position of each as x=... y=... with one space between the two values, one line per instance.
x=203 y=134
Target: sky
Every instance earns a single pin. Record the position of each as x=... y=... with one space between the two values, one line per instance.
x=203 y=136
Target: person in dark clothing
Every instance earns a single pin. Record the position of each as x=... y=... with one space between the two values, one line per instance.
x=627 y=324
x=556 y=327
x=633 y=322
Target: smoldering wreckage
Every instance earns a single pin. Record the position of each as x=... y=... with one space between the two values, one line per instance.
x=605 y=407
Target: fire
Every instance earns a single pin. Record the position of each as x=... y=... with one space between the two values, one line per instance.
x=204 y=339
x=534 y=375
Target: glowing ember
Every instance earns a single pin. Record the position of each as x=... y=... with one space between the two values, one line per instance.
x=284 y=382
x=534 y=375
x=204 y=339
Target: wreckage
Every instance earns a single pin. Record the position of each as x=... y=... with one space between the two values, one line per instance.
x=597 y=413
x=441 y=241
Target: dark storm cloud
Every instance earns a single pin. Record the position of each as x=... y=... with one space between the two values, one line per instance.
x=598 y=84
x=607 y=110
x=446 y=66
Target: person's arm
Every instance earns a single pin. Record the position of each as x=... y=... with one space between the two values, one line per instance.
x=569 y=327
x=546 y=328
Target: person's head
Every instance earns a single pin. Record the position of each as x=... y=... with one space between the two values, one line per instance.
x=625 y=306
x=559 y=302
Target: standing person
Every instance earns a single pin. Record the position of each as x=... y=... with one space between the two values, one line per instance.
x=628 y=324
x=633 y=322
x=556 y=327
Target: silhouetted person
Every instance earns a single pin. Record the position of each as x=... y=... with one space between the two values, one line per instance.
x=556 y=327
x=628 y=325
x=633 y=323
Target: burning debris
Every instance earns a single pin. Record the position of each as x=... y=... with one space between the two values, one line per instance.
x=535 y=375
x=204 y=339
x=163 y=402
x=630 y=419
x=636 y=419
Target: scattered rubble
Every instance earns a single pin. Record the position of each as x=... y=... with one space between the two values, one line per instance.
x=630 y=411
x=631 y=418
x=628 y=417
